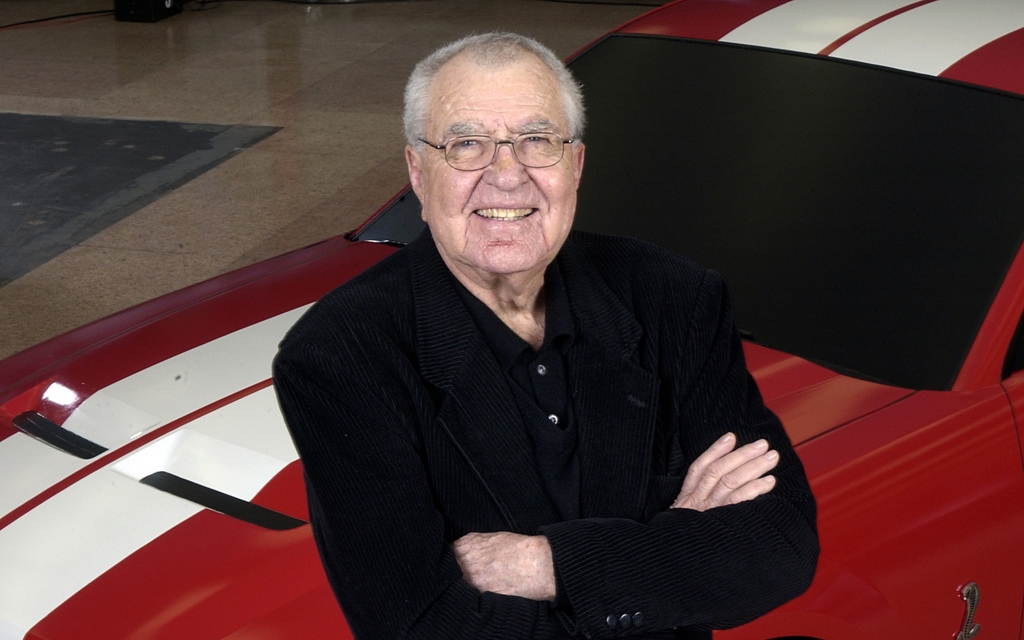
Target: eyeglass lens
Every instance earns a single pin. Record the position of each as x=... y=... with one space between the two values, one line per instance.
x=535 y=150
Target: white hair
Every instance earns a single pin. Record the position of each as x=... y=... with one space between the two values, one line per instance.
x=493 y=49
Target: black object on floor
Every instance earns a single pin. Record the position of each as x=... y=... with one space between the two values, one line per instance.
x=145 y=10
x=64 y=179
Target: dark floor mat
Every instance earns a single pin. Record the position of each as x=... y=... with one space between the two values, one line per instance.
x=65 y=179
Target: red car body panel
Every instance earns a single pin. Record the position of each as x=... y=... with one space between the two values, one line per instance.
x=814 y=399
x=999 y=64
x=919 y=492
x=701 y=19
x=934 y=481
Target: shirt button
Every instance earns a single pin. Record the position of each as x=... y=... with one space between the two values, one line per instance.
x=541 y=370
x=553 y=418
x=625 y=621
x=638 y=619
x=612 y=621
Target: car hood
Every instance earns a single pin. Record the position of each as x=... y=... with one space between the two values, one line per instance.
x=195 y=512
x=810 y=399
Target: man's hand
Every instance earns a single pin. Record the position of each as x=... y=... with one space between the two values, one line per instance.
x=722 y=476
x=507 y=563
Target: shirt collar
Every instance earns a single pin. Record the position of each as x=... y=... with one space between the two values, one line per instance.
x=504 y=343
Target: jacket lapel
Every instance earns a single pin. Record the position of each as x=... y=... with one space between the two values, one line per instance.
x=478 y=411
x=615 y=399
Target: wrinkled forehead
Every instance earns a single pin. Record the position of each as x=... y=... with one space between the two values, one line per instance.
x=521 y=95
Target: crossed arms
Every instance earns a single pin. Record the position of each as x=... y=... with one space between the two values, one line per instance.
x=518 y=565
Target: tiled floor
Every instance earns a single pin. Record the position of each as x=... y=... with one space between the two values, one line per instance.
x=330 y=75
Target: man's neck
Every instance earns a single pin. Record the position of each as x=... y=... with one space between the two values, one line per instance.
x=517 y=299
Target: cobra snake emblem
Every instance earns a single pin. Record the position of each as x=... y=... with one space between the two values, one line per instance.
x=970 y=593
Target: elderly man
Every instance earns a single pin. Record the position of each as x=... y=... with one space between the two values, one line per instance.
x=512 y=430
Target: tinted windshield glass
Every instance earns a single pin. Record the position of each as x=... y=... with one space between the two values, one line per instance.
x=863 y=218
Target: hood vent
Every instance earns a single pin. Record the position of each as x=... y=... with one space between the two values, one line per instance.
x=221 y=502
x=57 y=436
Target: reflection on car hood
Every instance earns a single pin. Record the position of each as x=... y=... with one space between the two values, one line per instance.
x=810 y=399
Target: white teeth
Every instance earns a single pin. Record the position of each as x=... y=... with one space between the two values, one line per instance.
x=504 y=214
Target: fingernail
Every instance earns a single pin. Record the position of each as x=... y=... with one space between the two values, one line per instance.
x=772 y=455
x=725 y=437
x=761 y=444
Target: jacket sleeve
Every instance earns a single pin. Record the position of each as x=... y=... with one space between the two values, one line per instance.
x=684 y=568
x=350 y=405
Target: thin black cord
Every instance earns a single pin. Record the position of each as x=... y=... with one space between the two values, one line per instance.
x=68 y=15
x=217 y=3
x=628 y=4
x=200 y=3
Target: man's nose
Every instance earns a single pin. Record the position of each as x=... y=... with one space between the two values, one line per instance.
x=505 y=168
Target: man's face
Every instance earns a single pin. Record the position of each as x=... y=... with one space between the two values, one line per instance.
x=505 y=218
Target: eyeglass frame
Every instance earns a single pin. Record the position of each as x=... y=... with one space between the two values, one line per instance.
x=443 y=148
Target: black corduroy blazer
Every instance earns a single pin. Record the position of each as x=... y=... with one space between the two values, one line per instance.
x=410 y=438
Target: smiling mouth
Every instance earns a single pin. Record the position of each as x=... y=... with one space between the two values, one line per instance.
x=503 y=214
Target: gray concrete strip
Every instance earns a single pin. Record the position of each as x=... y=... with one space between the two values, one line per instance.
x=83 y=175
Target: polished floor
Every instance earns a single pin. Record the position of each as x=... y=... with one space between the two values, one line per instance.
x=330 y=76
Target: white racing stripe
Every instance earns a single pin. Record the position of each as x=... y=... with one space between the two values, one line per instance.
x=143 y=401
x=27 y=466
x=181 y=384
x=67 y=542
x=204 y=460
x=932 y=37
x=10 y=632
x=60 y=547
x=810 y=25
x=226 y=465
x=111 y=422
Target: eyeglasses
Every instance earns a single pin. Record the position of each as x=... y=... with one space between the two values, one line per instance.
x=469 y=153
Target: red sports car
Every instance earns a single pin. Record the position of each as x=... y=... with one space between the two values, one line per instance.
x=855 y=169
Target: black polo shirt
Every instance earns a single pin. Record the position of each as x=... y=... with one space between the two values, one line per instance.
x=538 y=381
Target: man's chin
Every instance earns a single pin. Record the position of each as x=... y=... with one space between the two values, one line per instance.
x=508 y=260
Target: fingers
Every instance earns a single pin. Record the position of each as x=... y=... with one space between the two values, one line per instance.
x=476 y=555
x=722 y=475
x=730 y=471
x=466 y=548
x=742 y=482
x=718 y=448
x=507 y=563
x=751 y=490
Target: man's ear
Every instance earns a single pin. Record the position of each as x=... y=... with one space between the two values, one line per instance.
x=413 y=161
x=577 y=151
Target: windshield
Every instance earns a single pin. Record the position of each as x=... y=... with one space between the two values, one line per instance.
x=863 y=218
